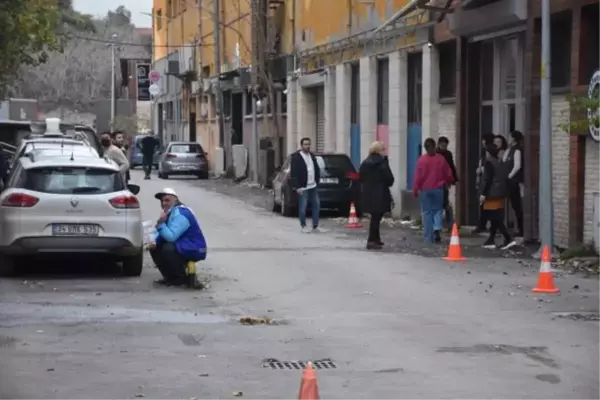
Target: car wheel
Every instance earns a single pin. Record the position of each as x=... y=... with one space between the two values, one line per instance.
x=203 y=175
x=286 y=210
x=133 y=265
x=276 y=207
x=7 y=266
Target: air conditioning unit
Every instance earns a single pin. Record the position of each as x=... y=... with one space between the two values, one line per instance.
x=173 y=67
x=206 y=85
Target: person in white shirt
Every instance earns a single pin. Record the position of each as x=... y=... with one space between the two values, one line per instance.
x=513 y=158
x=305 y=174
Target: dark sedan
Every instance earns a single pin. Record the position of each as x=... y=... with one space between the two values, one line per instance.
x=339 y=185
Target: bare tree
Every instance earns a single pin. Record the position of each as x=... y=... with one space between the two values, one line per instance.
x=80 y=75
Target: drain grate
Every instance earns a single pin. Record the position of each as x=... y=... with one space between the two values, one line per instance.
x=325 y=363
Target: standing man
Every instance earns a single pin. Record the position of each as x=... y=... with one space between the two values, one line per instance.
x=447 y=154
x=432 y=175
x=113 y=153
x=148 y=146
x=119 y=141
x=306 y=175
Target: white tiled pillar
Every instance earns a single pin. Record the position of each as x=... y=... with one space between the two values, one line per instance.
x=342 y=108
x=430 y=93
x=292 y=116
x=368 y=103
x=330 y=109
x=398 y=124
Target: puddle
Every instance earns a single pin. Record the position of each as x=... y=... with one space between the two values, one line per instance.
x=14 y=315
x=578 y=315
x=538 y=354
x=549 y=378
x=389 y=371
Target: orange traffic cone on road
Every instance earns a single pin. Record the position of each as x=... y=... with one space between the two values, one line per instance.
x=353 y=221
x=545 y=283
x=309 y=389
x=454 y=249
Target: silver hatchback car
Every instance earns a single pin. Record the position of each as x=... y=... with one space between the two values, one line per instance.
x=183 y=158
x=66 y=204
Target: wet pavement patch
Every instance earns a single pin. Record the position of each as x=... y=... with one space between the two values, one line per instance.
x=578 y=316
x=549 y=378
x=190 y=340
x=272 y=363
x=15 y=314
x=389 y=371
x=7 y=341
x=538 y=354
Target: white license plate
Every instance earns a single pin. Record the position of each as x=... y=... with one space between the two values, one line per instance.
x=75 y=230
x=330 y=180
x=185 y=167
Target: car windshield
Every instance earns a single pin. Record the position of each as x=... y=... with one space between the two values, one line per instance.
x=73 y=180
x=186 y=148
x=335 y=162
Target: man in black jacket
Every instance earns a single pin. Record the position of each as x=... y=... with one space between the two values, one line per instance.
x=148 y=146
x=442 y=148
x=305 y=174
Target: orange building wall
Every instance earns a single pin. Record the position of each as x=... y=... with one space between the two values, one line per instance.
x=193 y=22
x=326 y=21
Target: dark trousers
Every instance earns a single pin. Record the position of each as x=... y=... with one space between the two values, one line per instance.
x=374 y=226
x=483 y=219
x=169 y=262
x=147 y=165
x=516 y=202
x=496 y=218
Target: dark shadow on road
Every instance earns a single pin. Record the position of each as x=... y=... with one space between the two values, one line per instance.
x=62 y=267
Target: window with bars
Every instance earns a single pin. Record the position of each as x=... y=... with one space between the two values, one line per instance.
x=447 y=67
x=560 y=52
x=589 y=43
x=354 y=94
x=383 y=92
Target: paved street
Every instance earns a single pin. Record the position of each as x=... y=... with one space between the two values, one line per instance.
x=396 y=325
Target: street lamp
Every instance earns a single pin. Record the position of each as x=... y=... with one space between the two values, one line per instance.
x=112 y=83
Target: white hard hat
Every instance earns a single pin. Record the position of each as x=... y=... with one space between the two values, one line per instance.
x=165 y=191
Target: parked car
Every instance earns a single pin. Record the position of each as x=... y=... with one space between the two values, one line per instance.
x=183 y=158
x=69 y=204
x=73 y=131
x=137 y=159
x=339 y=185
x=64 y=145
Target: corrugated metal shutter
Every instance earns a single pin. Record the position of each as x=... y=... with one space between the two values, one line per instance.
x=320 y=119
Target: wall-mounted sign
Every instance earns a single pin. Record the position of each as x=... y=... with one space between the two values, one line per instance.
x=593 y=114
x=143 y=81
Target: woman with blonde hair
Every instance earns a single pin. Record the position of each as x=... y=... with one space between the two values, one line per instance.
x=376 y=178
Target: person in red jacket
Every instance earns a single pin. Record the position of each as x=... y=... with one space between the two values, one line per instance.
x=432 y=175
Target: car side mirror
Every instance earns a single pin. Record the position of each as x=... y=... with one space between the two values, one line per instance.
x=135 y=189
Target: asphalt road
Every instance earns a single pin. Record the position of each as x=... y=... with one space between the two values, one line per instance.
x=396 y=325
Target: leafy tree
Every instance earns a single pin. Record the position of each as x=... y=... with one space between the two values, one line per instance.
x=582 y=105
x=27 y=32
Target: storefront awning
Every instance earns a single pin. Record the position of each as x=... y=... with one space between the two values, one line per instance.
x=414 y=5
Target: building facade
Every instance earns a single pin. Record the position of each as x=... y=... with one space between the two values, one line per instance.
x=489 y=83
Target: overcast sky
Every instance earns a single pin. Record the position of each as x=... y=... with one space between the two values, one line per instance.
x=101 y=7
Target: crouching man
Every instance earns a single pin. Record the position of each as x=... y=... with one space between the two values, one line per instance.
x=178 y=239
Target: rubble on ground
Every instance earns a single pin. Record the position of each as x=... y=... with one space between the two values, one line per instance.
x=587 y=265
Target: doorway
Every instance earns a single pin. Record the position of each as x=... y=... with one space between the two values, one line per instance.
x=237 y=118
x=192 y=119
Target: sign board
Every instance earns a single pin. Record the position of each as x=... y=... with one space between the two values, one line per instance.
x=154 y=89
x=143 y=81
x=154 y=76
x=594 y=93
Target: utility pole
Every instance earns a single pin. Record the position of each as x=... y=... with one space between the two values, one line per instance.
x=223 y=142
x=112 y=86
x=546 y=214
x=255 y=149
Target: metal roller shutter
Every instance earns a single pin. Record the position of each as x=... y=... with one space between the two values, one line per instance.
x=320 y=120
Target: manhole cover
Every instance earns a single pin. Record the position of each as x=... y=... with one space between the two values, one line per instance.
x=325 y=363
x=578 y=316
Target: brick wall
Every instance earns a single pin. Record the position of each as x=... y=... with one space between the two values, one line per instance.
x=560 y=170
x=592 y=186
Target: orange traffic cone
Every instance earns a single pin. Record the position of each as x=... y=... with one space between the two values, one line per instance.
x=454 y=250
x=353 y=221
x=309 y=389
x=545 y=283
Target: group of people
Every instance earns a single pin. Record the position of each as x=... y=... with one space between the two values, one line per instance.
x=500 y=178
x=499 y=173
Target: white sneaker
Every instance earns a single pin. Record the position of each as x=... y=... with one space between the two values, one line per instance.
x=489 y=246
x=509 y=245
x=306 y=229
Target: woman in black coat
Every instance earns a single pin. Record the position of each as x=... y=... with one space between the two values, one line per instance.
x=376 y=179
